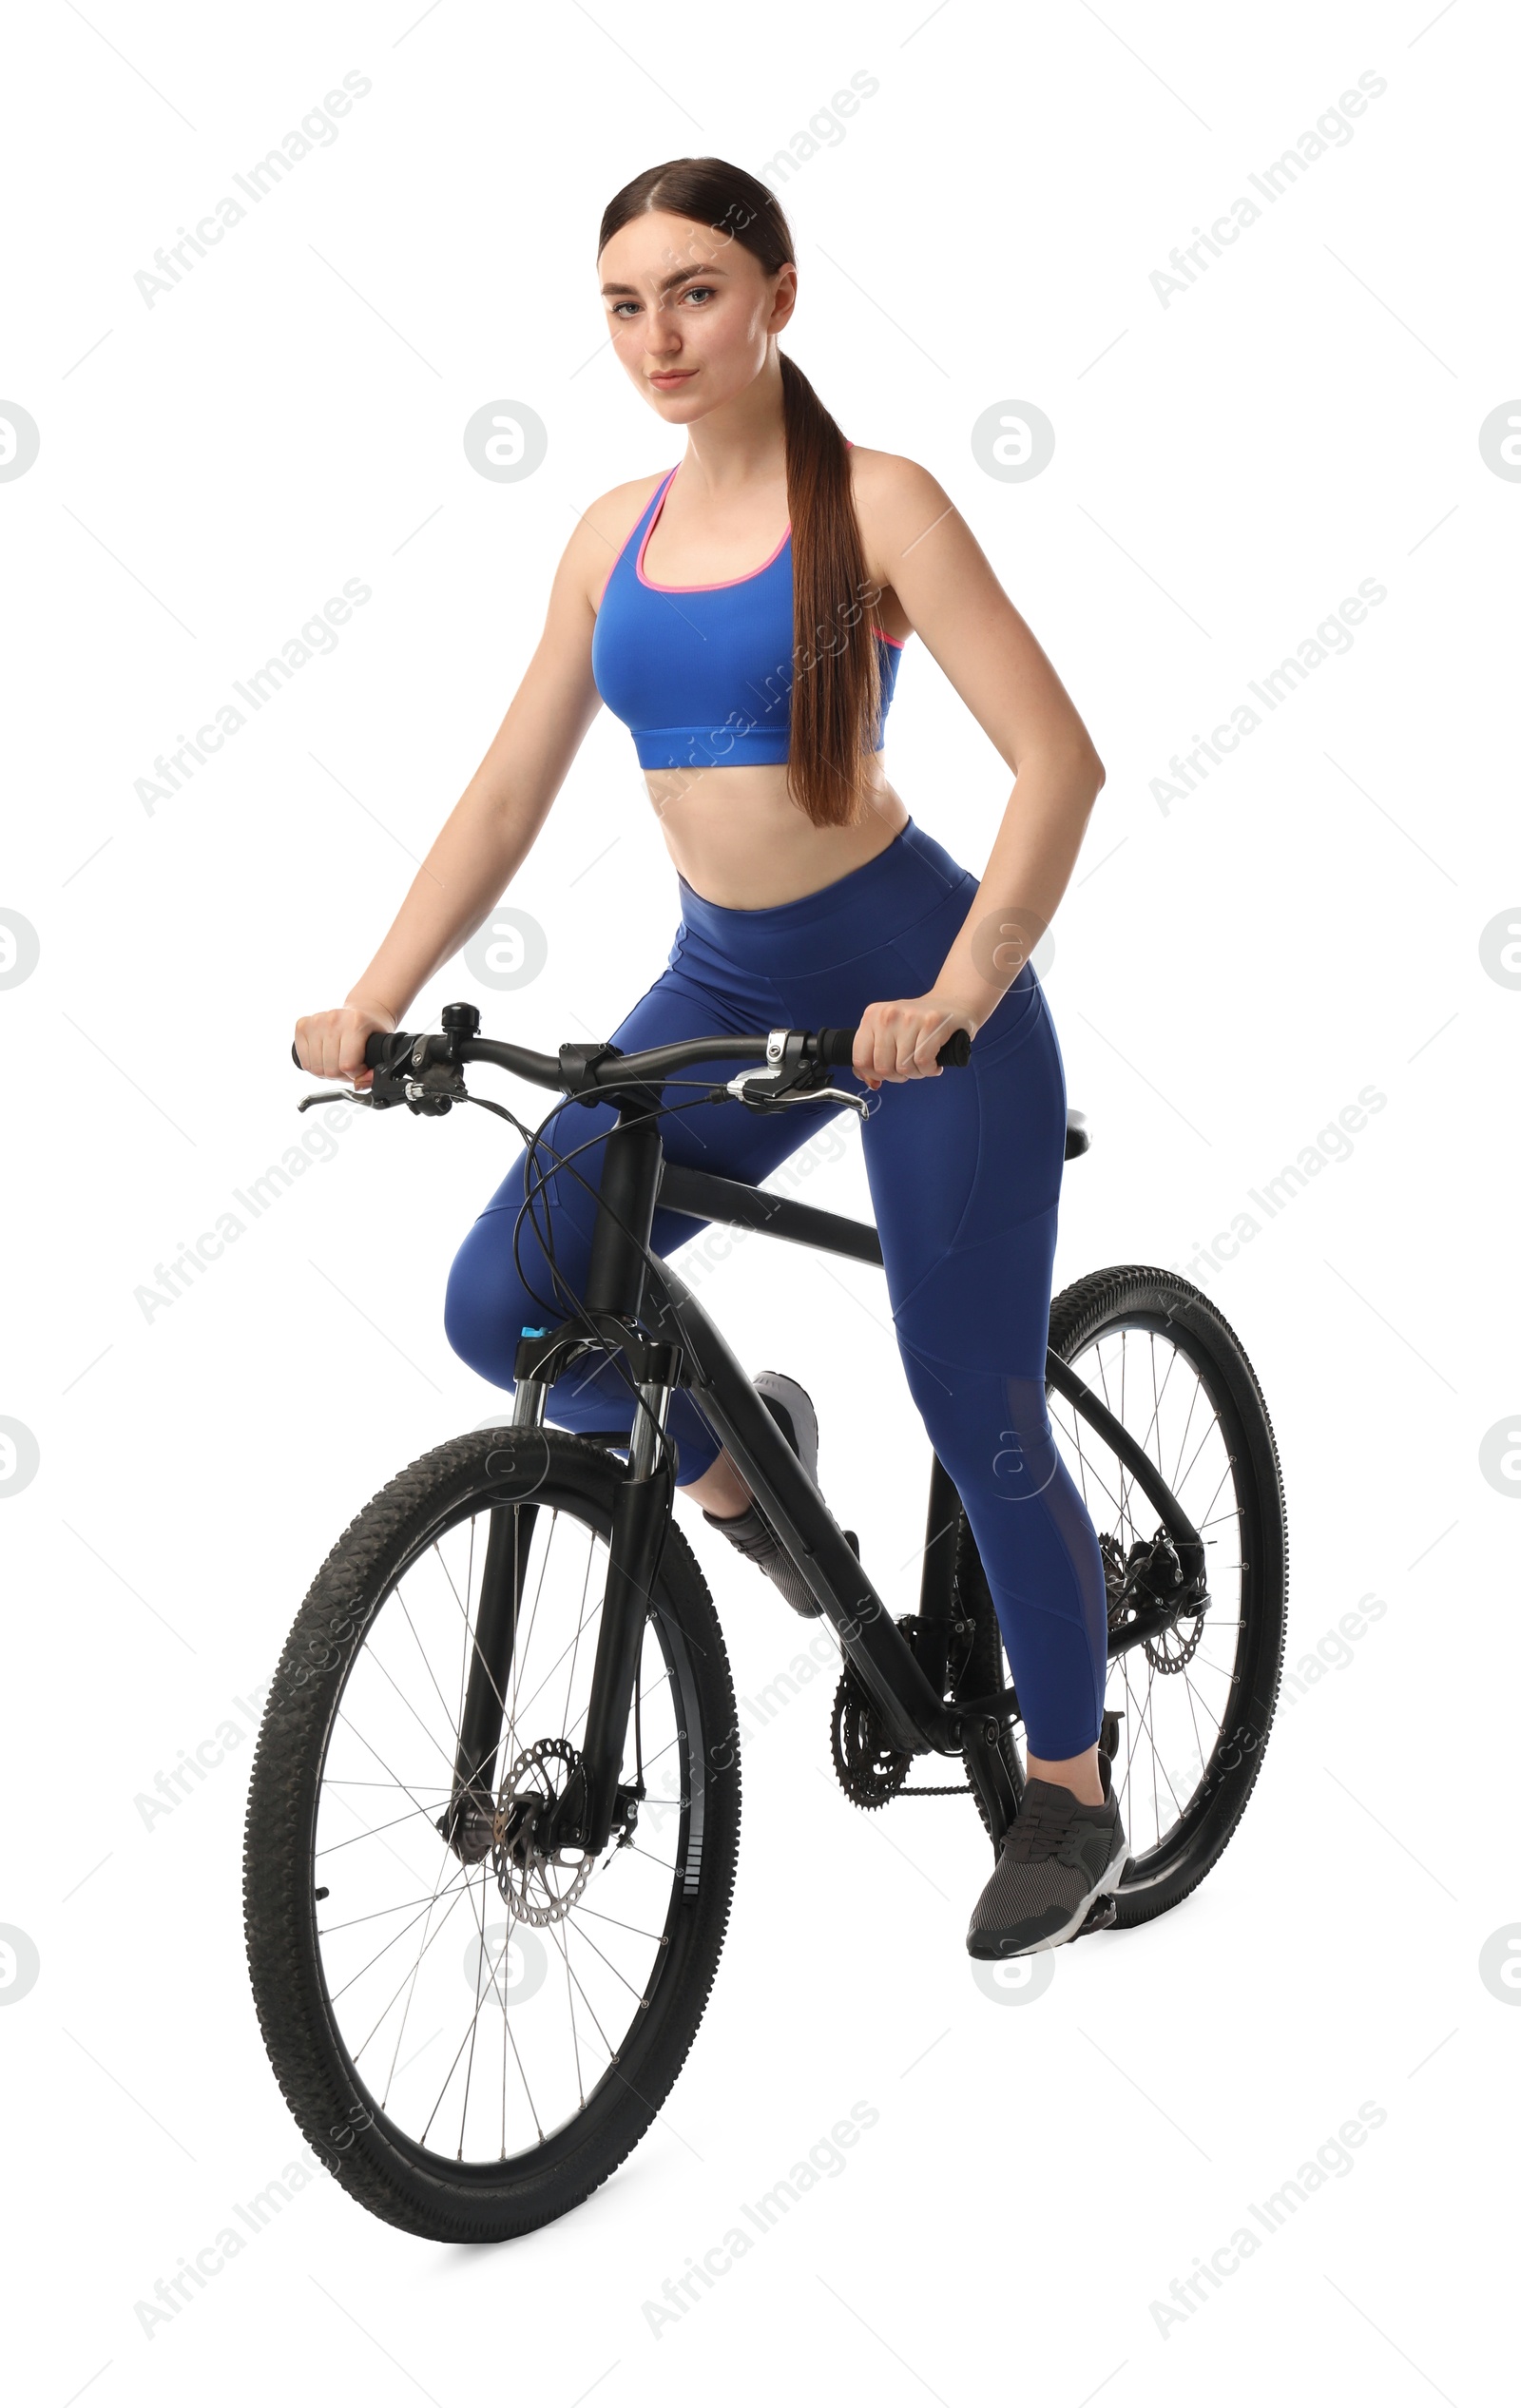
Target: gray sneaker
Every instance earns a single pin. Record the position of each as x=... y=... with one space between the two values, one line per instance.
x=1058 y=1856
x=792 y=1409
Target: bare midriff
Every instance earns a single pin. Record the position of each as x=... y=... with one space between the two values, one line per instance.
x=738 y=839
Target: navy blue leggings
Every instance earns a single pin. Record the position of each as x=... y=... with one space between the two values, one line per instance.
x=965 y=1170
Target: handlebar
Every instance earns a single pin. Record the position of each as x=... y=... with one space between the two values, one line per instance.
x=577 y=1068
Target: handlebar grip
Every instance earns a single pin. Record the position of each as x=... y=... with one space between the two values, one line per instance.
x=836 y=1047
x=372 y=1059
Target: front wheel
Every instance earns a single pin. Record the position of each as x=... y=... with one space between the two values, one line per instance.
x=473 y=2035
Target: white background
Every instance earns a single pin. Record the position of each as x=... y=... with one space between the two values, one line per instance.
x=1227 y=976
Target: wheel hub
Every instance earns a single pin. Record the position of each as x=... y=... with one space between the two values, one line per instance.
x=1150 y=1575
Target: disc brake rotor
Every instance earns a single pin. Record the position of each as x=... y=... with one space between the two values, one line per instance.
x=528 y=1878
x=1169 y=1651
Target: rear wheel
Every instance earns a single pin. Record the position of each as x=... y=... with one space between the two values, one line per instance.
x=472 y=2041
x=1193 y=1706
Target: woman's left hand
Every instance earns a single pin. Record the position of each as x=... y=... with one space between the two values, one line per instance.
x=900 y=1040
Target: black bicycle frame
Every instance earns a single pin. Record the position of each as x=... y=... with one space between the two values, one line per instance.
x=645 y=1310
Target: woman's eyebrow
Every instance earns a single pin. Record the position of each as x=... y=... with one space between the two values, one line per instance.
x=678 y=275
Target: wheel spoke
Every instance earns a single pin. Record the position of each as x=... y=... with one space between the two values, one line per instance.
x=427 y=1665
x=453 y=1892
x=373 y=1833
x=443 y=1867
x=630 y=1986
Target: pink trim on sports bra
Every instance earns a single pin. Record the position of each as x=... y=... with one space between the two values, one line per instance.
x=896 y=642
x=720 y=583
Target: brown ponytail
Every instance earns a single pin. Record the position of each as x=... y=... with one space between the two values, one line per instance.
x=836 y=694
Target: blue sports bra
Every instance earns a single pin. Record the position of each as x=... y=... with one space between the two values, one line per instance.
x=702 y=675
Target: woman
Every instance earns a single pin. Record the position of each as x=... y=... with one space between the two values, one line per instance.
x=810 y=898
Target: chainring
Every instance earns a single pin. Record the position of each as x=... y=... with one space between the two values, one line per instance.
x=871 y=1771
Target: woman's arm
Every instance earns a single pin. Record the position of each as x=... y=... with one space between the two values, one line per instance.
x=918 y=542
x=483 y=842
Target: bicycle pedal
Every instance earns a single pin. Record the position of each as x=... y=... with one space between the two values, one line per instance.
x=1101 y=1915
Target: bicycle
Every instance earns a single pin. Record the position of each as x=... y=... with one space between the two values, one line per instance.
x=467 y=1716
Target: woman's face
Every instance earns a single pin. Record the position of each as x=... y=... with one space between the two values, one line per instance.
x=691 y=311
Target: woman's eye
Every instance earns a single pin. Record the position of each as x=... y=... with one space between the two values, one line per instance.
x=693 y=292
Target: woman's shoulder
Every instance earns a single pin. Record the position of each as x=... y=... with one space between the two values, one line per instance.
x=891 y=478
x=897 y=501
x=602 y=530
x=618 y=511
x=894 y=496
x=632 y=496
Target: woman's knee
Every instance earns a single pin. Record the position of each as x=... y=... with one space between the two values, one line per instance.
x=1026 y=1462
x=989 y=1428
x=486 y=1302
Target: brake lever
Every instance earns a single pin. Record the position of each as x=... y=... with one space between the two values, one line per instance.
x=788 y=1078
x=335 y=1095
x=773 y=1101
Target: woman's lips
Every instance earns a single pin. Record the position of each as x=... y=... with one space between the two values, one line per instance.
x=674 y=377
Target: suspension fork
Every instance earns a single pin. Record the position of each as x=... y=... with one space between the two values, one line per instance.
x=641 y=1517
x=585 y=1814
x=508 y=1543
x=490 y=1667
x=614 y=1294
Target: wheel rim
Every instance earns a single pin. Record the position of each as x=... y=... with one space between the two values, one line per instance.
x=1177 y=1695
x=476 y=2034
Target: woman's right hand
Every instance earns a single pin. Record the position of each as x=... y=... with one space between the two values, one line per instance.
x=331 y=1044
